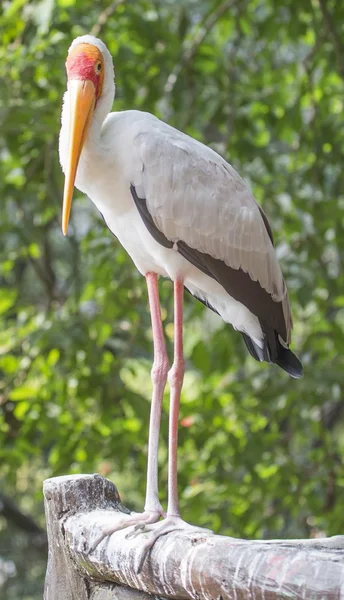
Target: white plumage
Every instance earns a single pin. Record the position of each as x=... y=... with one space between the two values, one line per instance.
x=192 y=194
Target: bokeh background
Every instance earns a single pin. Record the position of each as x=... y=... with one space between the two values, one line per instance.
x=261 y=455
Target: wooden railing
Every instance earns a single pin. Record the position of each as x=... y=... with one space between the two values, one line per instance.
x=181 y=564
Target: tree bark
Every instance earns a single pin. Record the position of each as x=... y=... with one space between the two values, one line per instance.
x=181 y=564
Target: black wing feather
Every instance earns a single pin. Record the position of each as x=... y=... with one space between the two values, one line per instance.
x=242 y=288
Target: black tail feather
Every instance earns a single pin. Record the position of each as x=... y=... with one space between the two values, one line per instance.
x=287 y=360
x=274 y=352
x=256 y=351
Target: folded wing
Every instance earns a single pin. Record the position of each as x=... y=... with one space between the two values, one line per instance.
x=195 y=199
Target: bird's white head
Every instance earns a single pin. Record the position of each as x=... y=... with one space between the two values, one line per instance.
x=90 y=91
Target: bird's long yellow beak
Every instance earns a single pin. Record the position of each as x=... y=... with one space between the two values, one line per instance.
x=82 y=96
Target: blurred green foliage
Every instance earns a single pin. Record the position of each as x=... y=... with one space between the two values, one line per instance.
x=261 y=455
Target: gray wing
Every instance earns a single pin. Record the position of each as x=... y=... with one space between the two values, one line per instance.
x=195 y=197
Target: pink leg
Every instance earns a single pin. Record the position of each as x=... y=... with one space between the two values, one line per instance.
x=159 y=378
x=172 y=522
x=175 y=377
x=147 y=521
x=152 y=510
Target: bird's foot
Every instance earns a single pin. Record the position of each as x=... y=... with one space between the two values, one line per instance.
x=156 y=530
x=138 y=520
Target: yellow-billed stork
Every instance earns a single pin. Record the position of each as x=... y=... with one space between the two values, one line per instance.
x=181 y=211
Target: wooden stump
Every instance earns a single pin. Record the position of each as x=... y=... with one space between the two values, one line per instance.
x=192 y=564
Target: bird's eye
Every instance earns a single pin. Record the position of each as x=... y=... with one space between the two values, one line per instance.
x=98 y=66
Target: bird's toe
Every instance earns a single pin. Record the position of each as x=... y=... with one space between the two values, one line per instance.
x=136 y=520
x=157 y=530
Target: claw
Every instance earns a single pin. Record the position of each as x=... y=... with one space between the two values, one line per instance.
x=163 y=528
x=97 y=541
x=135 y=530
x=138 y=520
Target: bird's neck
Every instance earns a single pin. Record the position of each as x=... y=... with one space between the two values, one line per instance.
x=102 y=109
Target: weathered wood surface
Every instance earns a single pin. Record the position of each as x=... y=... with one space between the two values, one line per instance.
x=181 y=564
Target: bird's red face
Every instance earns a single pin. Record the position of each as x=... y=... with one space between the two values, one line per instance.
x=86 y=63
x=85 y=72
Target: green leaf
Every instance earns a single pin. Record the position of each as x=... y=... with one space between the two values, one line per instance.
x=7 y=299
